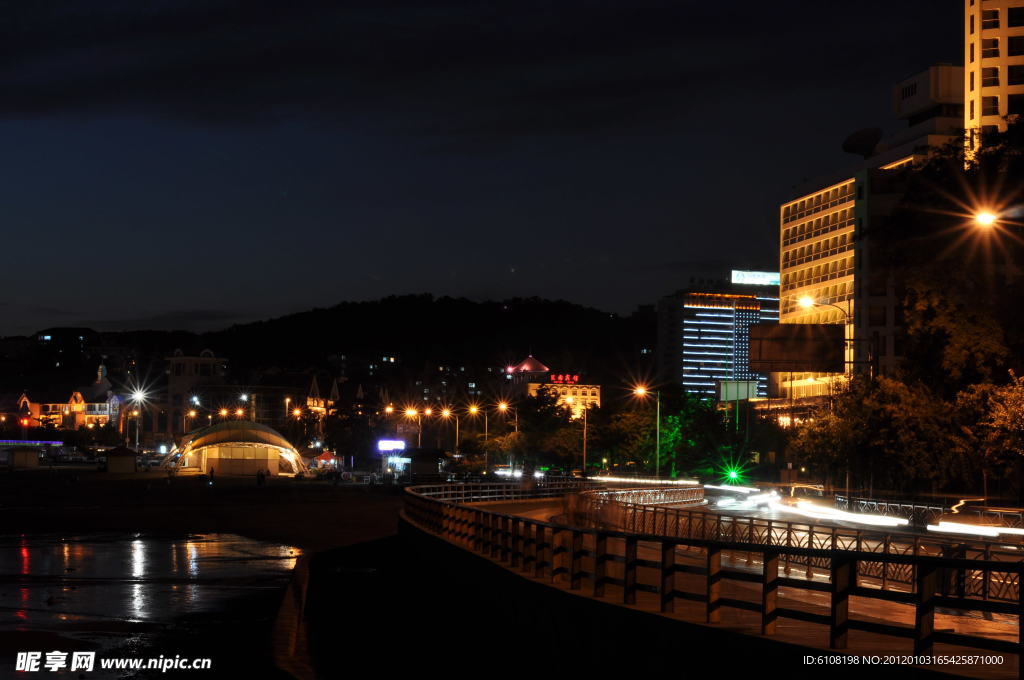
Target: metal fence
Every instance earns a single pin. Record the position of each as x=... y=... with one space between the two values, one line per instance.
x=600 y=510
x=607 y=558
x=931 y=512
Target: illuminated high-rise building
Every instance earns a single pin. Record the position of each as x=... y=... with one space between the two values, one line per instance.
x=704 y=331
x=993 y=65
x=825 y=254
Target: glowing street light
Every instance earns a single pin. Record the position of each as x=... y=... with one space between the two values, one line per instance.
x=223 y=413
x=413 y=413
x=642 y=391
x=297 y=412
x=446 y=414
x=985 y=219
x=139 y=397
x=473 y=410
x=240 y=412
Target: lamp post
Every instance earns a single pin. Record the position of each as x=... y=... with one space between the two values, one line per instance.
x=807 y=302
x=446 y=414
x=139 y=398
x=642 y=391
x=409 y=413
x=570 y=401
x=473 y=410
x=504 y=408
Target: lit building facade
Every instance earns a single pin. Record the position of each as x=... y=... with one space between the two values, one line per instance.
x=532 y=377
x=994 y=65
x=826 y=253
x=704 y=335
x=571 y=393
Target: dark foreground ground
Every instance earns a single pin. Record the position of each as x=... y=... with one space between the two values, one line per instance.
x=309 y=515
x=415 y=605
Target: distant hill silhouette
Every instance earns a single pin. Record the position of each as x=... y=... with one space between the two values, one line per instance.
x=422 y=329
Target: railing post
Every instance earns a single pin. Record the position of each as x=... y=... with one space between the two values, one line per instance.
x=842 y=568
x=924 y=611
x=529 y=545
x=629 y=576
x=986 y=575
x=810 y=544
x=600 y=566
x=668 y=577
x=750 y=539
x=503 y=523
x=713 y=590
x=885 y=565
x=492 y=534
x=514 y=541
x=543 y=552
x=769 y=591
x=575 y=548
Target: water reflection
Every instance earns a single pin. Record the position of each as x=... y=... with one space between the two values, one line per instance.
x=50 y=583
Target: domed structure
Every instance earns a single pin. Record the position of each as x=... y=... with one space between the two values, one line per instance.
x=236 y=447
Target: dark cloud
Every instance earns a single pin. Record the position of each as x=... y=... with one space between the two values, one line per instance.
x=471 y=68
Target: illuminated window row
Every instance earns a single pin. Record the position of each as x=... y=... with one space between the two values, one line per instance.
x=818 y=202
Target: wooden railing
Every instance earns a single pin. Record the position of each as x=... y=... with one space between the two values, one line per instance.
x=691 y=568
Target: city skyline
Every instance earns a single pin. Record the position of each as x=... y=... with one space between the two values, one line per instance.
x=157 y=178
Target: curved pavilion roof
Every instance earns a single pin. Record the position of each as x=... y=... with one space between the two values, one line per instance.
x=235 y=432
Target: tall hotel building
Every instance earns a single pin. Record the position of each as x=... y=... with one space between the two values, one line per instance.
x=704 y=332
x=994 y=65
x=824 y=233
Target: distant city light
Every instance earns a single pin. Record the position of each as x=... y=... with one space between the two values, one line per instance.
x=390 y=445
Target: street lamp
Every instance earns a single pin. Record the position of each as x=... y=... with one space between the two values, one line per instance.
x=642 y=392
x=446 y=414
x=985 y=219
x=409 y=413
x=570 y=400
x=473 y=410
x=504 y=407
x=139 y=398
x=807 y=302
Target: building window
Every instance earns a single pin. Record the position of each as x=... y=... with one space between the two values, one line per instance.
x=990 y=106
x=972 y=82
x=972 y=24
x=1015 y=75
x=908 y=91
x=1015 y=17
x=1015 y=105
x=990 y=18
x=972 y=110
x=972 y=52
x=989 y=48
x=1016 y=46
x=989 y=77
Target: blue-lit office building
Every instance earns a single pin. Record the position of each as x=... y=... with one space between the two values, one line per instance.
x=704 y=331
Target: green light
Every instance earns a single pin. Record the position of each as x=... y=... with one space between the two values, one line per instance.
x=733 y=474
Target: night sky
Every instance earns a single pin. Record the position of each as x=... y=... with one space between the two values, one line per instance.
x=192 y=164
